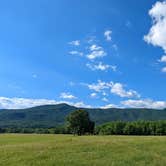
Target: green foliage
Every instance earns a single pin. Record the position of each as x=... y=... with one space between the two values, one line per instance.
x=79 y=122
x=49 y=116
x=133 y=128
x=55 y=130
x=112 y=128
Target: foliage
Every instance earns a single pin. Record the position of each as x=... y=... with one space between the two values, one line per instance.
x=55 y=130
x=111 y=128
x=49 y=116
x=133 y=128
x=79 y=122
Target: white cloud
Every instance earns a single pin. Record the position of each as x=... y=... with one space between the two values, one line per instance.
x=94 y=47
x=109 y=106
x=157 y=33
x=147 y=103
x=100 y=66
x=96 y=52
x=107 y=35
x=104 y=94
x=67 y=96
x=115 y=88
x=20 y=103
x=99 y=86
x=76 y=53
x=93 y=95
x=163 y=69
x=105 y=99
x=81 y=104
x=16 y=103
x=75 y=43
x=163 y=59
x=118 y=89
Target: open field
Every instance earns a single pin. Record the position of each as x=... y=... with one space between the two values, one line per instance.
x=67 y=150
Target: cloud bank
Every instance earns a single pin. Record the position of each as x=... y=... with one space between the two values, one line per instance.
x=21 y=103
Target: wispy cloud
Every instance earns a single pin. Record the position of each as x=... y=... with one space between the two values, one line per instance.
x=76 y=53
x=94 y=47
x=93 y=95
x=115 y=88
x=163 y=59
x=67 y=95
x=81 y=104
x=16 y=103
x=107 y=35
x=105 y=99
x=99 y=86
x=96 y=52
x=75 y=43
x=21 y=103
x=163 y=69
x=100 y=66
x=109 y=106
x=147 y=103
x=118 y=89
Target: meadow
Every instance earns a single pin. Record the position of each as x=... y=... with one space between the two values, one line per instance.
x=68 y=150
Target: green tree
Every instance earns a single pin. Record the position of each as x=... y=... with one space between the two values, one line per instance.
x=79 y=122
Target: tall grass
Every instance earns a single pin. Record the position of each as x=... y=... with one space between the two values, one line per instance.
x=68 y=150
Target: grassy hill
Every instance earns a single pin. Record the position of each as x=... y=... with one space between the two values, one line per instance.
x=53 y=115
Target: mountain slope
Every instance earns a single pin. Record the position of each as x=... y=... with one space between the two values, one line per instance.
x=52 y=115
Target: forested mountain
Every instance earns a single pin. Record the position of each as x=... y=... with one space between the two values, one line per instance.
x=54 y=115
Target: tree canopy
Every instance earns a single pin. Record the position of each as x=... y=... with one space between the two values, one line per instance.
x=79 y=122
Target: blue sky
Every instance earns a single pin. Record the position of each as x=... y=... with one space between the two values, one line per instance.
x=107 y=53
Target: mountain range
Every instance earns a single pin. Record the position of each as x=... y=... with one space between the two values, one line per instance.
x=54 y=115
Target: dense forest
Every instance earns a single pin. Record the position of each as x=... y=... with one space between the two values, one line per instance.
x=51 y=116
x=132 y=128
x=111 y=128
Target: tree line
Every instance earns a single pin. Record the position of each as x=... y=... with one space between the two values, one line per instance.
x=79 y=123
x=132 y=128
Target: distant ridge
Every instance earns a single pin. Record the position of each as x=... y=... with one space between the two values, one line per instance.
x=54 y=115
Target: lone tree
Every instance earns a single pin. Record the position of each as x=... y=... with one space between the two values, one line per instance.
x=79 y=122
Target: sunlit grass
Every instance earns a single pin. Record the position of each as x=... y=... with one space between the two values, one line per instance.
x=66 y=150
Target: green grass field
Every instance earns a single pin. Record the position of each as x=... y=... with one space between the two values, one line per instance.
x=67 y=150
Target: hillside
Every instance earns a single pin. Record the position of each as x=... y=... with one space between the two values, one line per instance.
x=53 y=115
